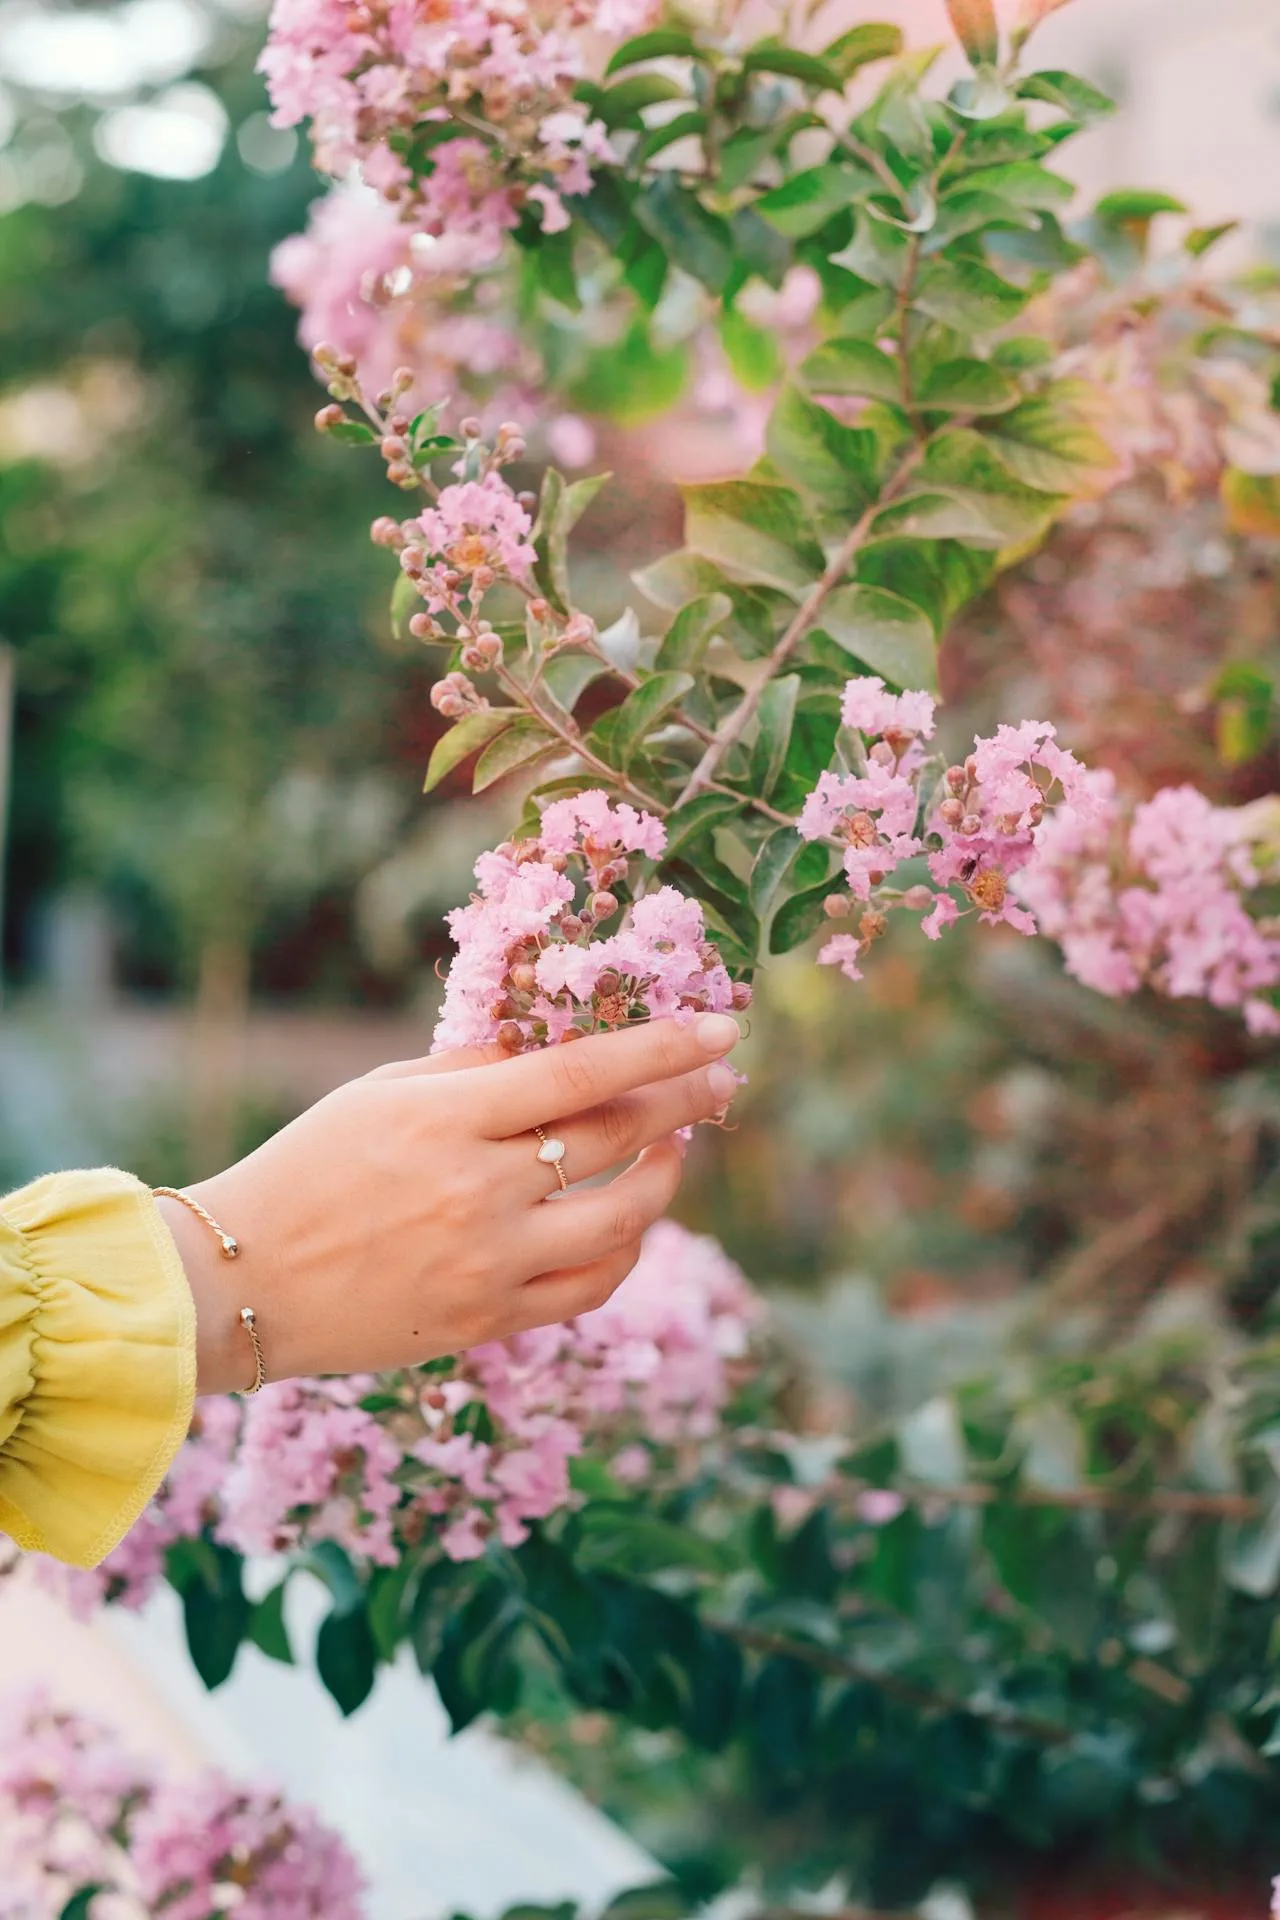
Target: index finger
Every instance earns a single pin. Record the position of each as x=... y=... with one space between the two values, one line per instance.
x=534 y=1088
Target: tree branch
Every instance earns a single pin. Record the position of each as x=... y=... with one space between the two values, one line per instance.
x=806 y=615
x=926 y=1699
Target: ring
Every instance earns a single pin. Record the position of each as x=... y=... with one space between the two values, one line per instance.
x=551 y=1154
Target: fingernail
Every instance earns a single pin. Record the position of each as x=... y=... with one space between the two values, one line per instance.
x=717 y=1032
x=723 y=1082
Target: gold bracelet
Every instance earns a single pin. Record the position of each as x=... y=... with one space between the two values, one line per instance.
x=230 y=1251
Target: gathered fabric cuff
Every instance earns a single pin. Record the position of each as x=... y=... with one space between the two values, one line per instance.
x=97 y=1361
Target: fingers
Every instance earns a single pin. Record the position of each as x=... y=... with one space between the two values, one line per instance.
x=598 y=1140
x=564 y=1295
x=585 y=1227
x=455 y=1061
x=539 y=1087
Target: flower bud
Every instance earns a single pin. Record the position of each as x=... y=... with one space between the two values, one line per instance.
x=539 y=608
x=872 y=924
x=603 y=905
x=384 y=399
x=347 y=365
x=609 y=981
x=402 y=379
x=572 y=927
x=837 y=905
x=423 y=627
x=524 y=977
x=392 y=447
x=510 y=430
x=401 y=475
x=971 y=767
x=957 y=779
x=918 y=899
x=470 y=428
x=399 y=423
x=899 y=738
x=329 y=417
x=579 y=630
x=527 y=500
x=510 y=1037
x=413 y=561
x=741 y=996
x=481 y=581
x=952 y=811
x=386 y=532
x=971 y=824
x=325 y=355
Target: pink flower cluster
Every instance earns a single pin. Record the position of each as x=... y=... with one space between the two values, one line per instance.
x=312 y=1462
x=383 y=80
x=1158 y=898
x=77 y=1810
x=364 y=283
x=653 y=1366
x=978 y=826
x=532 y=965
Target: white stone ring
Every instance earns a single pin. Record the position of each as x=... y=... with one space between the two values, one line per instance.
x=551 y=1154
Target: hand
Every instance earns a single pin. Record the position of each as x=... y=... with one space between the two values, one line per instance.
x=407 y=1214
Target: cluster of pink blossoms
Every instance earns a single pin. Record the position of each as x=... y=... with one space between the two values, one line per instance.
x=1158 y=898
x=979 y=826
x=379 y=1464
x=366 y=284
x=532 y=965
x=383 y=80
x=653 y=1367
x=77 y=1810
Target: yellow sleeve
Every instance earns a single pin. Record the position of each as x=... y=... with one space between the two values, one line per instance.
x=97 y=1361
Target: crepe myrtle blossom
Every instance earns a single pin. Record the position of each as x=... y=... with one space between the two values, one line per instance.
x=1157 y=895
x=377 y=76
x=77 y=1810
x=976 y=828
x=534 y=964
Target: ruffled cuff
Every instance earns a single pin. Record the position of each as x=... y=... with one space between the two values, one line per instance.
x=97 y=1361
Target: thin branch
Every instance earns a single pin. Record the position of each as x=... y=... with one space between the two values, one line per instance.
x=806 y=615
x=926 y=1699
x=1187 y=1502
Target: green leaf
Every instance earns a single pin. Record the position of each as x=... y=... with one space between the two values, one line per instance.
x=861 y=45
x=982 y=97
x=664 y=1900
x=659 y=138
x=473 y=1670
x=1023 y=182
x=641 y=711
x=966 y=386
x=626 y=1539
x=696 y=817
x=267 y=1628
x=466 y=738
x=560 y=508
x=351 y=433
x=568 y=675
x=1066 y=91
x=747 y=148
x=819 y=454
x=698 y=241
x=77 y=1907
x=805 y=202
x=756 y=532
x=975 y=26
x=1130 y=206
x=632 y=379
x=984 y=213
x=770 y=868
x=345 y=1657
x=963 y=293
x=1252 y=1555
x=966 y=492
x=793 y=64
x=775 y=716
x=686 y=640
x=526 y=739
x=405 y=602
x=664 y=43
x=216 y=1614
x=385 y=1606
x=1045 y=444
x=1201 y=239
x=753 y=353
x=855 y=367
x=885 y=632
x=623 y=102
x=798 y=919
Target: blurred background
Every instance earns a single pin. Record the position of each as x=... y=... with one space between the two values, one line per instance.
x=221 y=888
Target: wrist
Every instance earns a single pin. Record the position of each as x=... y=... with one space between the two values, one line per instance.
x=224 y=1359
